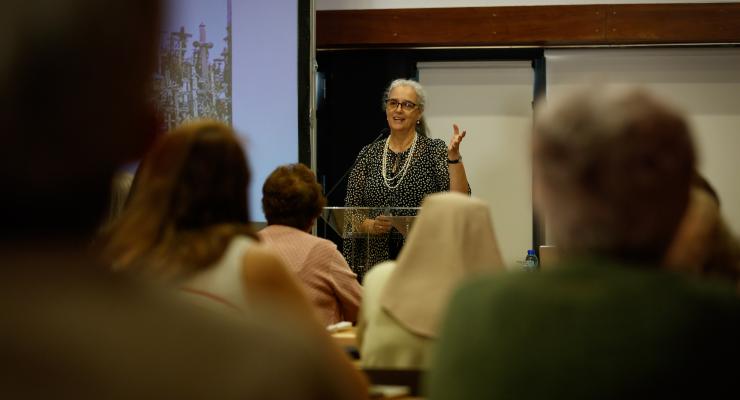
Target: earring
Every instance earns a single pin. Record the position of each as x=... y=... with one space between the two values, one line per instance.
x=418 y=121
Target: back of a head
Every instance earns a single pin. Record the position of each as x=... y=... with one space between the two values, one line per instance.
x=451 y=240
x=212 y=184
x=453 y=228
x=74 y=77
x=613 y=169
x=189 y=200
x=291 y=196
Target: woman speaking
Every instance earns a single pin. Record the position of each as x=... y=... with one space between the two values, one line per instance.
x=398 y=172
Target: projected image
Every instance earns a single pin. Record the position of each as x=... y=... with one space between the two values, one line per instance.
x=245 y=75
x=193 y=78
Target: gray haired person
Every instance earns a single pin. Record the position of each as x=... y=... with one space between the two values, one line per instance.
x=612 y=174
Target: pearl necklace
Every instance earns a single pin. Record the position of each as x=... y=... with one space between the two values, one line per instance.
x=401 y=174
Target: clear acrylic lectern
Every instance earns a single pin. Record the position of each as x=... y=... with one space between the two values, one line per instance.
x=363 y=249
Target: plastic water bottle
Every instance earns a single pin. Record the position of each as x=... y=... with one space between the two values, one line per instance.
x=531 y=263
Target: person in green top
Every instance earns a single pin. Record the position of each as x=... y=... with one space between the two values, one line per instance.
x=612 y=172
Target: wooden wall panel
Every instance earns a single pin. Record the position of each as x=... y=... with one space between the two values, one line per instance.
x=460 y=26
x=677 y=23
x=530 y=25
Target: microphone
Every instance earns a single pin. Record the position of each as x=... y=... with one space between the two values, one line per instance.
x=339 y=182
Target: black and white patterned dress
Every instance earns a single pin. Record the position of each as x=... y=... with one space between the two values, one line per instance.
x=427 y=173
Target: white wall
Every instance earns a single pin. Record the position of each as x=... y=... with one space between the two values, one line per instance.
x=705 y=83
x=380 y=4
x=492 y=101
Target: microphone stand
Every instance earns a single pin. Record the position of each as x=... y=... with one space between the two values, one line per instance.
x=339 y=182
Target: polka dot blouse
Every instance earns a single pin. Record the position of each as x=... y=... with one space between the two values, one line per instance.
x=427 y=173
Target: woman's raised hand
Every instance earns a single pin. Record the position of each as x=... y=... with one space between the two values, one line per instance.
x=453 y=150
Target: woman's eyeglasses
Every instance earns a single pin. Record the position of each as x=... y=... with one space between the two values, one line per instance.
x=392 y=104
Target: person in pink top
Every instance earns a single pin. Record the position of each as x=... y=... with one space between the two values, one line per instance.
x=292 y=200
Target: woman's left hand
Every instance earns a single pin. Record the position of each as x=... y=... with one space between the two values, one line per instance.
x=453 y=150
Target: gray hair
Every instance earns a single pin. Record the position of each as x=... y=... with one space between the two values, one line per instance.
x=421 y=99
x=613 y=169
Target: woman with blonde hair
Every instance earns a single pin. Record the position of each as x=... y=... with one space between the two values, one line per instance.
x=188 y=220
x=187 y=223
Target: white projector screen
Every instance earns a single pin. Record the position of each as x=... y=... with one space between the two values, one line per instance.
x=236 y=61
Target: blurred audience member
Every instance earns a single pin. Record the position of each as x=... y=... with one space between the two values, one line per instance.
x=292 y=200
x=612 y=169
x=187 y=223
x=452 y=239
x=75 y=76
x=703 y=244
x=188 y=220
